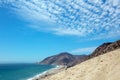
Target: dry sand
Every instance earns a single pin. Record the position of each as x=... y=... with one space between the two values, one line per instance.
x=104 y=67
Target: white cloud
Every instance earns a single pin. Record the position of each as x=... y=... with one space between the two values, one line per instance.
x=86 y=50
x=69 y=31
x=93 y=18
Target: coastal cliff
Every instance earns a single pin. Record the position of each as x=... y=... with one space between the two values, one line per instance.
x=102 y=64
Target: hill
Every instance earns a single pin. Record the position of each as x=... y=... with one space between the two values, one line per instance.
x=103 y=67
x=64 y=59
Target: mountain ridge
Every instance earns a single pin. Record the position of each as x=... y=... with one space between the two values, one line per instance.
x=63 y=58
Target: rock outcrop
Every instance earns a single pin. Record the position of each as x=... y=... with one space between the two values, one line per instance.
x=105 y=47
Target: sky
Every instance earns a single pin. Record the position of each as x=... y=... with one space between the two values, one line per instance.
x=31 y=30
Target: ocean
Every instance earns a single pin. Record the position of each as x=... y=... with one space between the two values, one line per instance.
x=21 y=71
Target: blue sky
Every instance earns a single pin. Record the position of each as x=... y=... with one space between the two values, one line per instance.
x=32 y=30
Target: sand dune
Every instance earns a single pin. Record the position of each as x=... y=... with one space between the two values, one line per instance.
x=104 y=67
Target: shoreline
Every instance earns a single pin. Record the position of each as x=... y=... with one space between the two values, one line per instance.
x=47 y=73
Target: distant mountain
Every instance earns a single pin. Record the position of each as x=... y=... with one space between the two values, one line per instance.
x=69 y=60
x=105 y=47
x=64 y=58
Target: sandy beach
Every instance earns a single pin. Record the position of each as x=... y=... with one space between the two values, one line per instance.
x=103 y=67
x=48 y=73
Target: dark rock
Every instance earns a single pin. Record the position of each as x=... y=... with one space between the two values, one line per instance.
x=104 y=48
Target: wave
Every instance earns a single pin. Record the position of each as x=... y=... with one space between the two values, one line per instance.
x=45 y=73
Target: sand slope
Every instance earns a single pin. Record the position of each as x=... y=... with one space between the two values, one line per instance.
x=104 y=67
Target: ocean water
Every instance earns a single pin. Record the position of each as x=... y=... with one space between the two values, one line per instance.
x=21 y=71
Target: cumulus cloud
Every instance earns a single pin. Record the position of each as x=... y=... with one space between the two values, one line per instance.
x=93 y=18
x=86 y=50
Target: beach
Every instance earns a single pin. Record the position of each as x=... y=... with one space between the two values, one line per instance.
x=103 y=67
x=47 y=73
